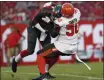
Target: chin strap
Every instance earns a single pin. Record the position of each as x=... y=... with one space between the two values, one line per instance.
x=82 y=61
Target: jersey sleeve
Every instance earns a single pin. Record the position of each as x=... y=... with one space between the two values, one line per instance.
x=77 y=14
x=58 y=22
x=36 y=19
x=76 y=17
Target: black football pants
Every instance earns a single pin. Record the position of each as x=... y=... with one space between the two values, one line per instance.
x=33 y=34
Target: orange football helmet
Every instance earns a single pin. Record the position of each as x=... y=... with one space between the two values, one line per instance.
x=67 y=10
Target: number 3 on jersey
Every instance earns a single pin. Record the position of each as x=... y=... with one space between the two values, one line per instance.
x=71 y=29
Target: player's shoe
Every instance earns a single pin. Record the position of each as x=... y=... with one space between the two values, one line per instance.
x=44 y=77
x=14 y=65
x=49 y=76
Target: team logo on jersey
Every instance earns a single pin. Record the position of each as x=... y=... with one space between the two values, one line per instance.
x=73 y=21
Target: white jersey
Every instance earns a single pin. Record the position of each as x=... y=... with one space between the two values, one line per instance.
x=67 y=42
x=68 y=37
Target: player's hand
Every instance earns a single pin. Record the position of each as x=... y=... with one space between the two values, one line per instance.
x=46 y=31
x=54 y=33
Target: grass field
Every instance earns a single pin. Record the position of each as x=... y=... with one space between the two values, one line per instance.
x=75 y=71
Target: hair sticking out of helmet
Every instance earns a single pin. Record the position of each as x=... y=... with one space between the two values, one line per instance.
x=67 y=10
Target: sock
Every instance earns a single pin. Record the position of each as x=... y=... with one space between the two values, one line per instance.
x=24 y=53
x=46 y=68
x=21 y=55
x=18 y=58
x=41 y=62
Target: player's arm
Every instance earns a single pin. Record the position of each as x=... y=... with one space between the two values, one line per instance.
x=36 y=24
x=79 y=35
x=55 y=31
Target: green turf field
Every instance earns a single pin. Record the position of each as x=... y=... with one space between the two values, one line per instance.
x=75 y=71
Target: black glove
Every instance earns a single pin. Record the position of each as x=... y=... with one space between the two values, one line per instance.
x=54 y=33
x=46 y=31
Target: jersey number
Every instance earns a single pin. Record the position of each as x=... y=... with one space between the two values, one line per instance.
x=71 y=29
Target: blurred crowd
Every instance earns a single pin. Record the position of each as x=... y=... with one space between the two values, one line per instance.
x=22 y=12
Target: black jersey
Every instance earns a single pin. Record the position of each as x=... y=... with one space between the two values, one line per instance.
x=43 y=23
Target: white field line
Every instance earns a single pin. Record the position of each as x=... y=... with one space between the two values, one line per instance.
x=68 y=75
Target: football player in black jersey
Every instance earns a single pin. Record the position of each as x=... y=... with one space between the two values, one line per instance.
x=40 y=27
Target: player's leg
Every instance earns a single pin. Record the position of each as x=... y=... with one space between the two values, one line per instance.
x=43 y=59
x=9 y=55
x=32 y=37
x=51 y=62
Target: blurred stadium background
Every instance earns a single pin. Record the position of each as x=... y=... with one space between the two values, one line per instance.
x=91 y=46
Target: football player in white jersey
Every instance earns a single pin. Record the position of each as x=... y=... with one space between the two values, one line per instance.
x=69 y=32
x=66 y=43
